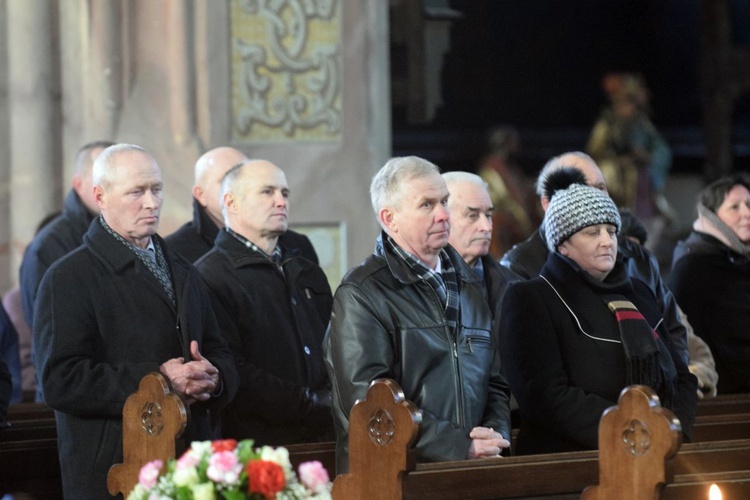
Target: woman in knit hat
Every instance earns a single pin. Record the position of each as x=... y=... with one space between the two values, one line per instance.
x=710 y=278
x=583 y=330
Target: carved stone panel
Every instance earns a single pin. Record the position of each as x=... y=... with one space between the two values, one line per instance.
x=286 y=70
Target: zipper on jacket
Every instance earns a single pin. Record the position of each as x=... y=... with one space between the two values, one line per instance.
x=456 y=372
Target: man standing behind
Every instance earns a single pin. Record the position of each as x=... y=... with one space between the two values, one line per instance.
x=64 y=233
x=414 y=312
x=196 y=238
x=471 y=232
x=273 y=308
x=118 y=307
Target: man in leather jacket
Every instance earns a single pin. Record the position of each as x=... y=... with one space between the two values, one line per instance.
x=415 y=312
x=527 y=258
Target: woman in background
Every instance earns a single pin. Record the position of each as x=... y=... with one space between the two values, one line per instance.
x=710 y=278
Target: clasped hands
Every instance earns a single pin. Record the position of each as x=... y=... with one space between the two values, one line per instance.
x=195 y=380
x=486 y=442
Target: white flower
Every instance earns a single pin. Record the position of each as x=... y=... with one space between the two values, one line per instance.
x=185 y=476
x=203 y=491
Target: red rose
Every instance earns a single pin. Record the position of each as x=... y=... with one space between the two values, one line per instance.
x=266 y=478
x=224 y=445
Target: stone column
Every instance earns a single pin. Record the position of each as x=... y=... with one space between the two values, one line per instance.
x=5 y=234
x=33 y=84
x=103 y=68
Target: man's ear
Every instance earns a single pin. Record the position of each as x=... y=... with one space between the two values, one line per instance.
x=99 y=196
x=198 y=195
x=386 y=217
x=563 y=248
x=76 y=183
x=230 y=202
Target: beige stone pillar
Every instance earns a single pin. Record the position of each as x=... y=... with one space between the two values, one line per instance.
x=103 y=67
x=5 y=234
x=34 y=118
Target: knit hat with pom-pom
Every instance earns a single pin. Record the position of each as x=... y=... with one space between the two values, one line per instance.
x=574 y=205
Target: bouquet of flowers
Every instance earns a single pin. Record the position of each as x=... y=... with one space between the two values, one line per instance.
x=231 y=470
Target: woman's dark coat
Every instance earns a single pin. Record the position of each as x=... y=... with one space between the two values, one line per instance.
x=562 y=378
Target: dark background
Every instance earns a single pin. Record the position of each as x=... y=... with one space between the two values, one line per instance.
x=538 y=64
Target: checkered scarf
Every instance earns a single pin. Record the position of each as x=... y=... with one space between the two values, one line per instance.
x=445 y=284
x=275 y=256
x=157 y=266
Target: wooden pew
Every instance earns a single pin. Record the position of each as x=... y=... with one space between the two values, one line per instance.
x=687 y=474
x=30 y=446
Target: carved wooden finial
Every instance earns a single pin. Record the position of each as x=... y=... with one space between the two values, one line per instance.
x=382 y=428
x=152 y=419
x=637 y=440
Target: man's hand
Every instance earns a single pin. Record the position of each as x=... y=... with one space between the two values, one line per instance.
x=486 y=443
x=195 y=380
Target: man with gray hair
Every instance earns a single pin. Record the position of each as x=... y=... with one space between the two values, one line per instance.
x=471 y=231
x=414 y=312
x=273 y=308
x=118 y=307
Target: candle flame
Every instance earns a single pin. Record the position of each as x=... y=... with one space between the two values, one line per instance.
x=714 y=493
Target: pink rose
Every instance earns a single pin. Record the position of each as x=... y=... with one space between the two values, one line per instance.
x=188 y=459
x=224 y=468
x=314 y=476
x=149 y=474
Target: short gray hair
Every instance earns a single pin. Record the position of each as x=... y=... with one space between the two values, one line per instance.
x=468 y=177
x=385 y=189
x=556 y=163
x=102 y=170
x=228 y=185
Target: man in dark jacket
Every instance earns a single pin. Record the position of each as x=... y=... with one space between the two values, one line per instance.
x=65 y=232
x=526 y=259
x=415 y=312
x=118 y=307
x=273 y=308
x=195 y=238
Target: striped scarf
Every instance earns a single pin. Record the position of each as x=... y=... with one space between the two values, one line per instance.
x=445 y=284
x=647 y=363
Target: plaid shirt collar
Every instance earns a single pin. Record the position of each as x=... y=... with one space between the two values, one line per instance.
x=275 y=256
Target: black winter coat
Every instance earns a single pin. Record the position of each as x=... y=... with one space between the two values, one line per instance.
x=58 y=238
x=528 y=257
x=274 y=320
x=712 y=284
x=103 y=322
x=388 y=323
x=563 y=357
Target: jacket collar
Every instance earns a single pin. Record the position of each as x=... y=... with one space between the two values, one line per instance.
x=240 y=255
x=403 y=273
x=76 y=211
x=203 y=223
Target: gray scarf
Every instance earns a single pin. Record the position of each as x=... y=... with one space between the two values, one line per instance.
x=709 y=223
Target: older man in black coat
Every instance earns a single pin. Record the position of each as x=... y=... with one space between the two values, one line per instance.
x=273 y=307
x=113 y=310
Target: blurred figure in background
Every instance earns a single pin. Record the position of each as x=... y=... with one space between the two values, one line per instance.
x=517 y=214
x=632 y=154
